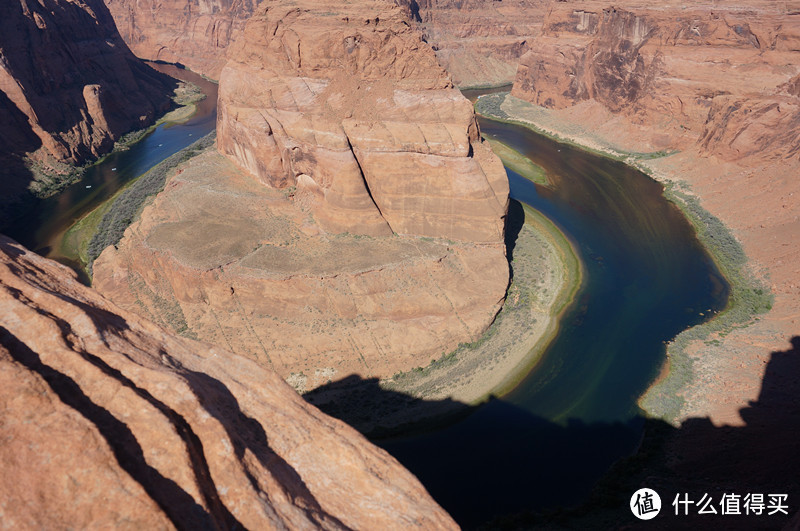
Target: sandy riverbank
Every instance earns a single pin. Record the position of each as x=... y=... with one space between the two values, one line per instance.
x=714 y=369
x=547 y=274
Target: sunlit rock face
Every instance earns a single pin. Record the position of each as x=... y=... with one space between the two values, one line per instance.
x=346 y=103
x=195 y=34
x=354 y=222
x=719 y=74
x=109 y=421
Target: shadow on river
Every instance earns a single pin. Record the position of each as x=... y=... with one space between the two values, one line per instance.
x=508 y=486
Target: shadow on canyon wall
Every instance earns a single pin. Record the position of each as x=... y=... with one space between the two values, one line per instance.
x=496 y=469
x=17 y=138
x=245 y=433
x=515 y=219
x=18 y=141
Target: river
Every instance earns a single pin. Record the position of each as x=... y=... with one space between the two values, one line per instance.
x=646 y=278
x=43 y=227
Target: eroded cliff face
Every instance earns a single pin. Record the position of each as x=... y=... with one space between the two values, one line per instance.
x=715 y=85
x=108 y=421
x=348 y=104
x=479 y=42
x=69 y=86
x=223 y=258
x=686 y=71
x=190 y=32
x=356 y=225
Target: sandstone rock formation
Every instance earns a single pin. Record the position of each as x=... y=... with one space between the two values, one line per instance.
x=69 y=86
x=670 y=66
x=220 y=256
x=479 y=42
x=107 y=421
x=369 y=238
x=718 y=84
x=346 y=103
x=195 y=34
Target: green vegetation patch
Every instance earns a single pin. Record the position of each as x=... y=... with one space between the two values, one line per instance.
x=517 y=162
x=125 y=206
x=490 y=105
x=75 y=243
x=748 y=299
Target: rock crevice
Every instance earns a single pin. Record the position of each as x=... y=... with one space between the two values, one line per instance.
x=168 y=432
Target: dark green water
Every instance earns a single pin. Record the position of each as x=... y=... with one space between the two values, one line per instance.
x=43 y=227
x=646 y=279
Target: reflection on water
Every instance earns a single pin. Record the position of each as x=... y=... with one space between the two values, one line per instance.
x=42 y=228
x=646 y=279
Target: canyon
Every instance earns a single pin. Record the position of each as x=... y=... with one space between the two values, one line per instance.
x=358 y=227
x=711 y=92
x=351 y=222
x=194 y=34
x=682 y=72
x=478 y=42
x=67 y=103
x=99 y=404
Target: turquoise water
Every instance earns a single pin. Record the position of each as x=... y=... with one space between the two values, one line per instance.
x=647 y=278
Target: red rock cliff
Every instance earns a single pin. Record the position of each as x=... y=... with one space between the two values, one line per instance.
x=687 y=71
x=108 y=421
x=193 y=33
x=69 y=86
x=479 y=42
x=348 y=104
x=342 y=125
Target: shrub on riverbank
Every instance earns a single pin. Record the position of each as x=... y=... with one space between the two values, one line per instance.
x=748 y=299
x=127 y=205
x=489 y=105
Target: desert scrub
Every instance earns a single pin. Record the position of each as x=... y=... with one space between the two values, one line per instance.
x=127 y=205
x=748 y=298
x=187 y=93
x=489 y=105
x=50 y=178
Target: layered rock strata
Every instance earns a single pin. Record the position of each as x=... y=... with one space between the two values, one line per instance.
x=348 y=105
x=682 y=70
x=479 y=42
x=363 y=232
x=719 y=85
x=195 y=34
x=220 y=256
x=109 y=421
x=69 y=86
